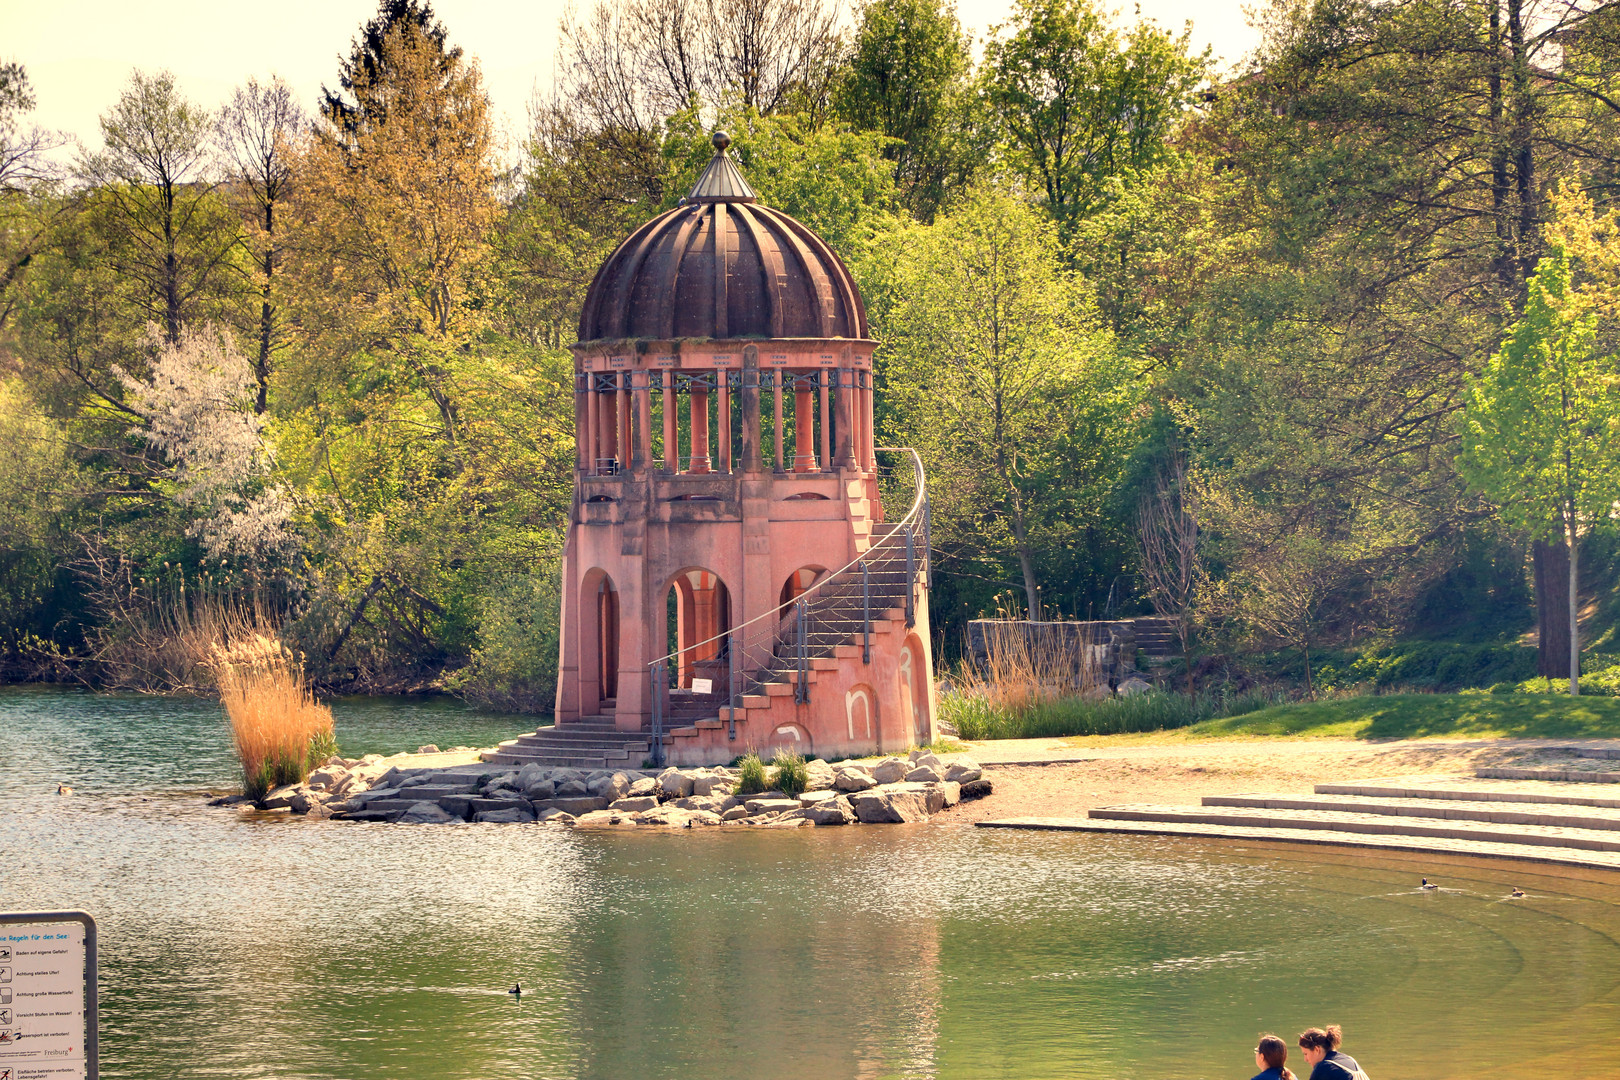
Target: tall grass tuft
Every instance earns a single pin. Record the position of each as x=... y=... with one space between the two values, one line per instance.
x=792 y=777
x=280 y=731
x=750 y=774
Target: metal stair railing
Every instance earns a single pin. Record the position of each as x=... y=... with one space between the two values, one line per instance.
x=778 y=645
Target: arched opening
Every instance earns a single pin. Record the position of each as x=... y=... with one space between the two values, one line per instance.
x=799 y=582
x=599 y=640
x=698 y=610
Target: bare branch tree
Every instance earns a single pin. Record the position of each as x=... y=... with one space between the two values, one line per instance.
x=1167 y=538
x=257 y=130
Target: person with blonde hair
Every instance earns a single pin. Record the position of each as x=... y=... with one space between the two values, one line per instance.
x=1271 y=1055
x=1321 y=1049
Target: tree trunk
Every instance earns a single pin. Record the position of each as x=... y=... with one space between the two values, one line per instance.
x=1552 y=609
x=1574 y=612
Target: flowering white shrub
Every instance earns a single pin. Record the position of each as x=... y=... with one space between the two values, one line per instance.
x=197 y=404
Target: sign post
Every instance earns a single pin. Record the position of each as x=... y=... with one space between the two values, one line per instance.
x=48 y=996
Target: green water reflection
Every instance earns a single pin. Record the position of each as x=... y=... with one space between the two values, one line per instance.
x=239 y=946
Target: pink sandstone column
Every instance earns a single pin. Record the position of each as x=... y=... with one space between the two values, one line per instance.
x=700 y=430
x=804 y=430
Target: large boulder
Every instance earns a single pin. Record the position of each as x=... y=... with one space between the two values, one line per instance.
x=924 y=774
x=532 y=773
x=820 y=775
x=572 y=788
x=585 y=804
x=675 y=784
x=963 y=771
x=647 y=785
x=811 y=798
x=512 y=816
x=734 y=813
x=426 y=813
x=540 y=789
x=951 y=790
x=713 y=804
x=712 y=784
x=890 y=770
x=327 y=778
x=831 y=812
x=634 y=805
x=610 y=787
x=852 y=778
x=1133 y=686
x=553 y=816
x=976 y=789
x=598 y=818
x=770 y=806
x=927 y=758
x=884 y=806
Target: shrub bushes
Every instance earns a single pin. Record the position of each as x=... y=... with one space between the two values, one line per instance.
x=750 y=774
x=792 y=777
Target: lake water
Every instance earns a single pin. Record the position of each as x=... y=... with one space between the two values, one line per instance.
x=243 y=945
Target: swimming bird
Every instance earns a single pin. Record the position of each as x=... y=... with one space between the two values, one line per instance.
x=63 y=789
x=517 y=990
x=1429 y=885
x=1516 y=893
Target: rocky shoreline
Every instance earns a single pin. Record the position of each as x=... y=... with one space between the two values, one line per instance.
x=891 y=791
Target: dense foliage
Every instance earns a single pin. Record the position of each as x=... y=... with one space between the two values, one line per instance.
x=1166 y=336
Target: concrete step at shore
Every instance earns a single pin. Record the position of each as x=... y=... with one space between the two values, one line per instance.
x=521 y=758
x=1499 y=813
x=1343 y=821
x=1478 y=789
x=550 y=738
x=1561 y=856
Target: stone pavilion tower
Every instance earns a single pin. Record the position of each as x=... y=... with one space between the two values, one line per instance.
x=731 y=579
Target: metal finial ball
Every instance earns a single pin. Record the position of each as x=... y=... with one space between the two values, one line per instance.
x=720 y=140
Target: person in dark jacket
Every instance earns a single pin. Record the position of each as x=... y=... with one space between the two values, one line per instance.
x=1271 y=1054
x=1321 y=1049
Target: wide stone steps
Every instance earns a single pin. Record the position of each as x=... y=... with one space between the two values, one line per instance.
x=1569 y=823
x=1500 y=813
x=1348 y=822
x=588 y=743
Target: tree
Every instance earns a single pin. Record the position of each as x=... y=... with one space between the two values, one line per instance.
x=25 y=169
x=1167 y=536
x=168 y=232
x=989 y=346
x=1409 y=150
x=1080 y=102
x=258 y=130
x=1541 y=435
x=906 y=78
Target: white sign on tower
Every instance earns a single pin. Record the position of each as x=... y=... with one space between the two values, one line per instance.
x=48 y=996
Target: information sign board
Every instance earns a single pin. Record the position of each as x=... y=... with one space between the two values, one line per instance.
x=702 y=686
x=48 y=996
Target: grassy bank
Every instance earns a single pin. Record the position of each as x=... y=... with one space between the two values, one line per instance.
x=980 y=716
x=1416 y=716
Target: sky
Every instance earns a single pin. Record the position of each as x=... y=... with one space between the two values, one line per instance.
x=79 y=53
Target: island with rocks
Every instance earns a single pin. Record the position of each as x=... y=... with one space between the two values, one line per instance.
x=396 y=790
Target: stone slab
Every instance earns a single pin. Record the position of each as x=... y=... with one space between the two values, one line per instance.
x=1500 y=813
x=1605 y=860
x=1321 y=820
x=1482 y=790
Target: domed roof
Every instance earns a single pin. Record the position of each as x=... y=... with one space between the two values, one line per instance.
x=722 y=266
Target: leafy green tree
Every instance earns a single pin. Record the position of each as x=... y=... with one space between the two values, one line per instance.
x=1541 y=435
x=992 y=358
x=1082 y=102
x=1409 y=150
x=907 y=78
x=168 y=233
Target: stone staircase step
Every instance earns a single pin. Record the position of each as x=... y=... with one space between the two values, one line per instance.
x=1479 y=789
x=1386 y=841
x=1500 y=813
x=1564 y=775
x=1337 y=821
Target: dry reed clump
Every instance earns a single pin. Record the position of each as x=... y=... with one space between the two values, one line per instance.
x=1023 y=670
x=280 y=731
